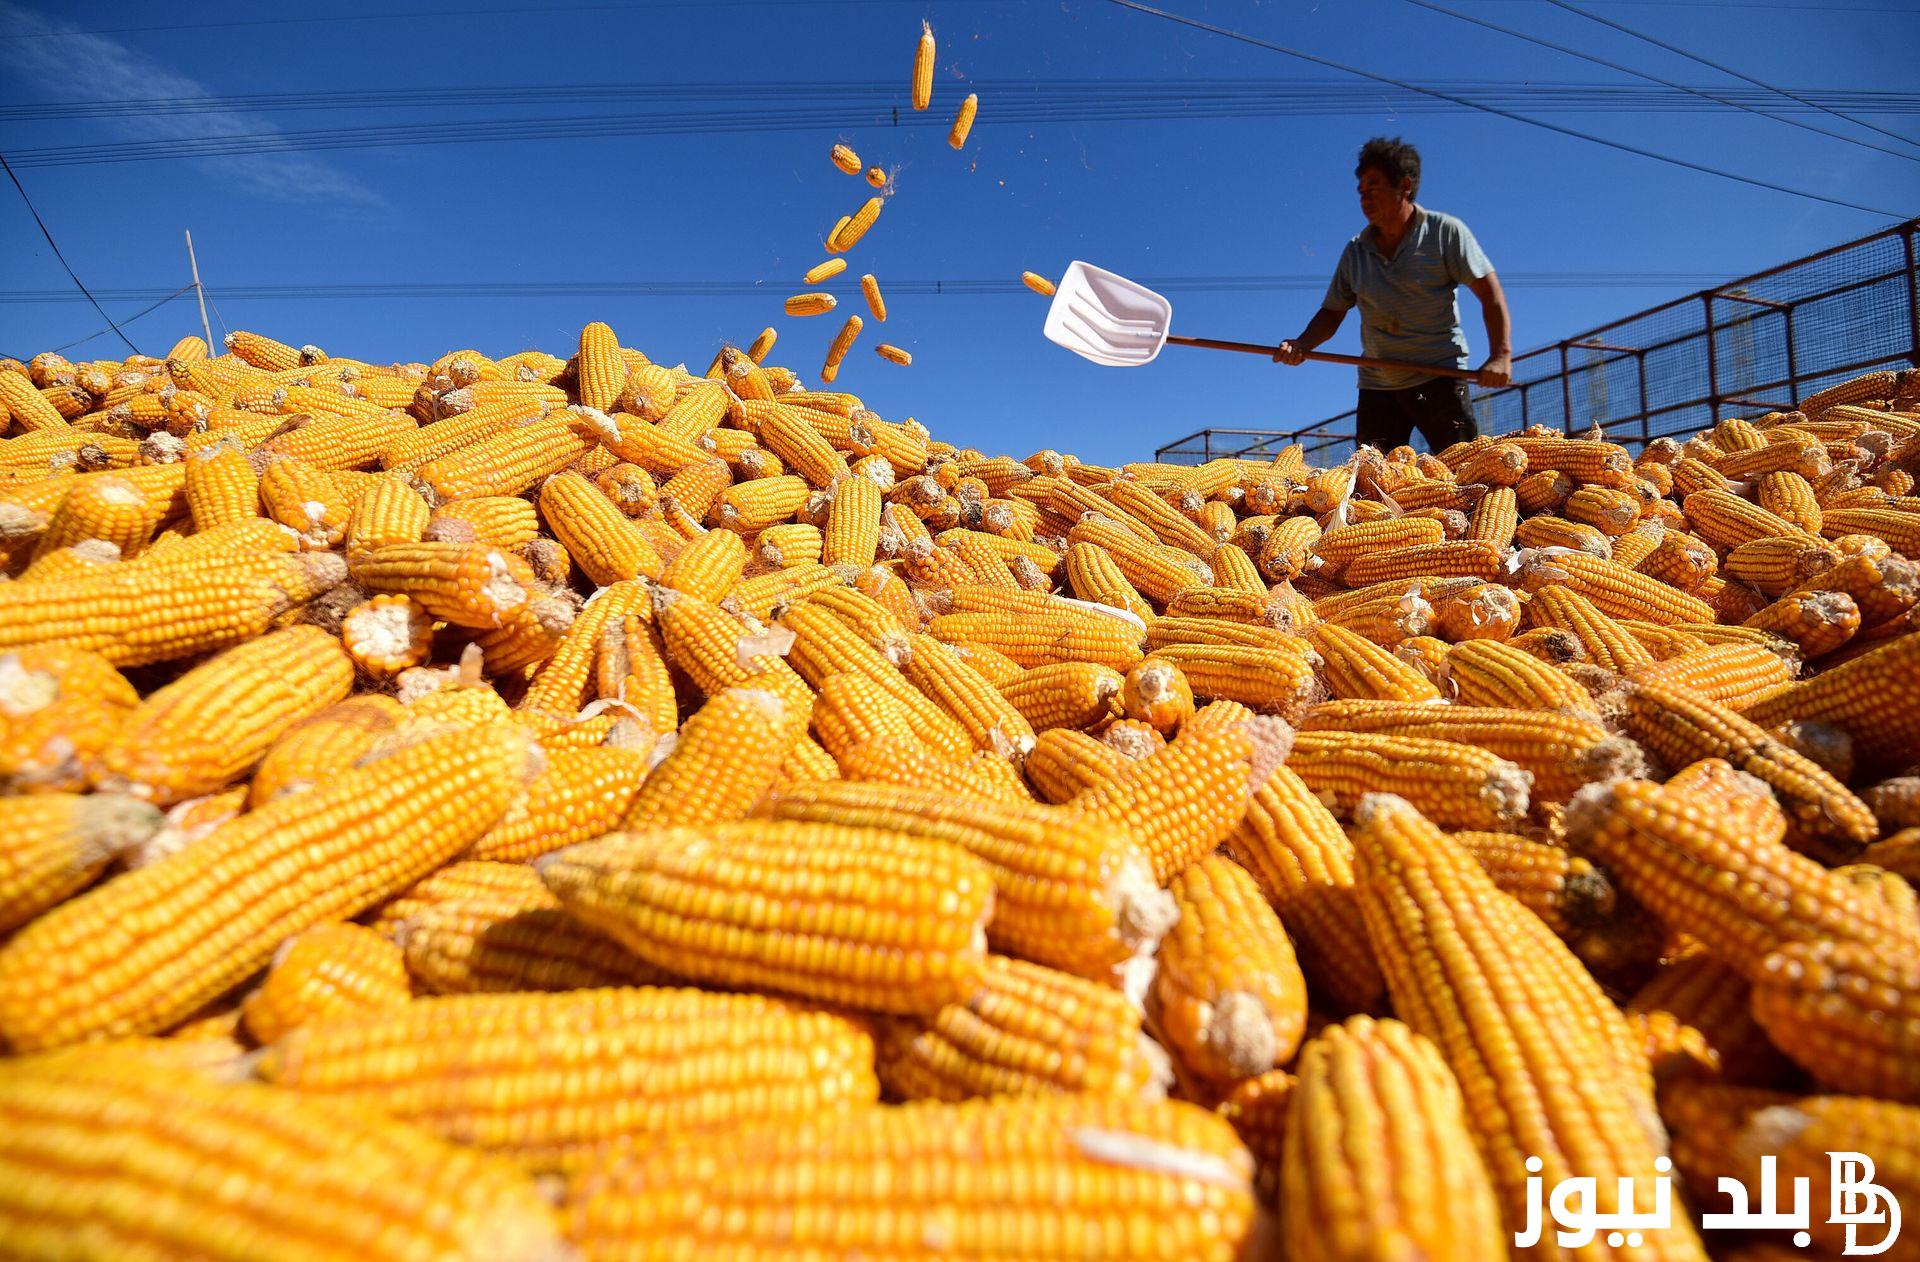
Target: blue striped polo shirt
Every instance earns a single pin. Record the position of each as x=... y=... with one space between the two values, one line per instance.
x=1407 y=307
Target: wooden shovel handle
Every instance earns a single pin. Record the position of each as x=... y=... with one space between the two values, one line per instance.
x=1326 y=357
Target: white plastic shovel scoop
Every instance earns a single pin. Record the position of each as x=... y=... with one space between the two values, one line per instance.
x=1103 y=316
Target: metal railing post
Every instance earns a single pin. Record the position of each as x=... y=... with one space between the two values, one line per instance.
x=1913 y=296
x=1713 y=360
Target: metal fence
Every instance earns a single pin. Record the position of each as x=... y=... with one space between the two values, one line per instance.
x=1760 y=343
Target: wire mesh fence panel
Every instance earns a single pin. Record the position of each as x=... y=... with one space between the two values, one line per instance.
x=1759 y=343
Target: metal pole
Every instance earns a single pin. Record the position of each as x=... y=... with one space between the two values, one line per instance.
x=1713 y=362
x=199 y=293
x=1646 y=416
x=1913 y=296
x=1793 y=364
x=1566 y=394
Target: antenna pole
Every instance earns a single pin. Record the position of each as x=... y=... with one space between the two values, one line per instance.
x=199 y=293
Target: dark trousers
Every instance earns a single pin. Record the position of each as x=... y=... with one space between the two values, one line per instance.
x=1441 y=409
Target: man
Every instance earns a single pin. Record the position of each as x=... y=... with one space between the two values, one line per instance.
x=1402 y=271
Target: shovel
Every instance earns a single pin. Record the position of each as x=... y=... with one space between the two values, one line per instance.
x=1111 y=320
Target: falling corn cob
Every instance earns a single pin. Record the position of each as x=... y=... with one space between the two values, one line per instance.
x=962 y=119
x=923 y=54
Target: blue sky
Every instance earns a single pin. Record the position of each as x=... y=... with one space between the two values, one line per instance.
x=1198 y=189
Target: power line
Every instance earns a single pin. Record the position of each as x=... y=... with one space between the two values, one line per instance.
x=55 y=247
x=957 y=286
x=1726 y=70
x=632 y=5
x=129 y=320
x=1301 y=93
x=820 y=110
x=1257 y=42
x=1611 y=65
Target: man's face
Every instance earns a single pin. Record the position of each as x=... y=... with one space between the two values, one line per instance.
x=1382 y=200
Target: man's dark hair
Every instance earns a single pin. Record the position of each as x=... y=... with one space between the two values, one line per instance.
x=1392 y=157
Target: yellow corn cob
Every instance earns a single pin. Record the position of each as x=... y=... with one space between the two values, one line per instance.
x=900 y=929
x=1705 y=1004
x=849 y=235
x=1065 y=763
x=1037 y=283
x=469 y=585
x=498 y=521
x=752 y=506
x=1356 y=668
x=878 y=177
x=963 y=121
x=811 y=304
x=1455 y=785
x=559 y=1080
x=837 y=351
x=1863 y=697
x=515 y=460
x=1379 y=1155
x=825 y=646
x=1494 y=673
x=1183 y=800
x=870 y=288
x=852 y=532
x=198 y=600
x=189 y=928
x=1680 y=728
x=1611 y=512
x=824 y=271
x=1679 y=560
x=1228 y=997
x=502 y=930
x=106 y=508
x=1816 y=622
x=56 y=843
x=1701 y=869
x=1458 y=954
x=385 y=635
x=1156 y=693
x=1095 y=1173
x=1560 y=751
x=1606 y=642
x=893 y=354
x=1065 y=694
x=210 y=726
x=1472 y=558
x=1847 y=1012
x=305 y=500
x=31 y=411
x=790 y=434
x=709 y=566
x=321 y=1184
x=1030 y=1030
x=390 y=512
x=601 y=373
x=221 y=486
x=729 y=754
x=992 y=721
x=1614 y=589
x=62 y=707
x=923 y=54
x=325 y=973
x=1270 y=678
x=331 y=441
x=788 y=544
x=317 y=748
x=577 y=794
x=262 y=351
x=1093 y=575
x=846 y=159
x=1075 y=895
x=596 y=534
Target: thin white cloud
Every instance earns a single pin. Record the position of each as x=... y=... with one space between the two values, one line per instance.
x=111 y=70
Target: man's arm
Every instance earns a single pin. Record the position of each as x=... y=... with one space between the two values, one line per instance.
x=1498 y=370
x=1324 y=325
